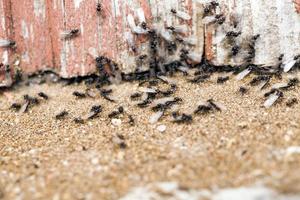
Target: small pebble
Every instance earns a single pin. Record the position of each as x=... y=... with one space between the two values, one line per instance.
x=95 y=161
x=116 y=122
x=161 y=128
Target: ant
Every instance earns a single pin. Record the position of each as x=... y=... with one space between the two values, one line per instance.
x=131 y=120
x=144 y=25
x=222 y=79
x=184 y=118
x=258 y=79
x=95 y=110
x=70 y=34
x=78 y=120
x=243 y=90
x=235 y=50
x=79 y=94
x=99 y=8
x=233 y=34
x=104 y=93
x=291 y=102
x=31 y=100
x=61 y=115
x=135 y=96
x=16 y=106
x=115 y=114
x=43 y=95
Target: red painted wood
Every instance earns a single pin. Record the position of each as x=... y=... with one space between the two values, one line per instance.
x=6 y=34
x=31 y=31
x=297 y=5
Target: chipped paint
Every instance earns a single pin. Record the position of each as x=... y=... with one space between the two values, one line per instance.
x=5 y=57
x=3 y=23
x=77 y=3
x=117 y=8
x=25 y=57
x=25 y=32
x=39 y=8
x=278 y=23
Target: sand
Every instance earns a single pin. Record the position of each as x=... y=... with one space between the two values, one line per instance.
x=245 y=144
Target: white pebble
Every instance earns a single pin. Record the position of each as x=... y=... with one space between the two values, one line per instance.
x=116 y=122
x=161 y=128
x=95 y=161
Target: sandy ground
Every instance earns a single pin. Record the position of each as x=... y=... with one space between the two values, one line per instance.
x=245 y=144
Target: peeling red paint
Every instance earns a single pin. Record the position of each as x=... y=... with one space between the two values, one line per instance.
x=5 y=33
x=38 y=31
x=297 y=5
x=209 y=53
x=85 y=19
x=32 y=34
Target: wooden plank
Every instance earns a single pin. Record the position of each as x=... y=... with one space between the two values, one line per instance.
x=277 y=22
x=5 y=34
x=31 y=32
x=80 y=15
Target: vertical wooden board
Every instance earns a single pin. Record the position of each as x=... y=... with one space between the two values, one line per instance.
x=277 y=22
x=197 y=30
x=30 y=23
x=126 y=57
x=56 y=25
x=125 y=53
x=5 y=34
x=107 y=30
x=289 y=29
x=297 y=5
x=81 y=50
x=158 y=15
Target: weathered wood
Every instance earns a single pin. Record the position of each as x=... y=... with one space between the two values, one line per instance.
x=5 y=34
x=40 y=46
x=276 y=21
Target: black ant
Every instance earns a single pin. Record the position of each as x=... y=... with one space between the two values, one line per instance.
x=243 y=90
x=78 y=120
x=135 y=96
x=104 y=93
x=115 y=114
x=184 y=118
x=235 y=50
x=258 y=79
x=61 y=115
x=173 y=11
x=280 y=57
x=233 y=34
x=16 y=106
x=272 y=91
x=291 y=102
x=222 y=79
x=79 y=94
x=220 y=19
x=99 y=8
x=96 y=109
x=203 y=109
x=214 y=105
x=131 y=120
x=144 y=25
x=31 y=100
x=43 y=95
x=70 y=34
x=142 y=57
